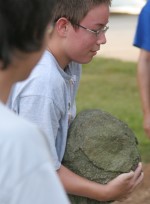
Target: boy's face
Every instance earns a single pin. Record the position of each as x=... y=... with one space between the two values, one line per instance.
x=82 y=44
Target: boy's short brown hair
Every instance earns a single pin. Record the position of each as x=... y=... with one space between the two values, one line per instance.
x=75 y=10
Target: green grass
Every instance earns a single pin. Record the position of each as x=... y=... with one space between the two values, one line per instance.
x=111 y=85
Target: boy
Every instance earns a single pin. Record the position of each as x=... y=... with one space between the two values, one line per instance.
x=26 y=172
x=48 y=96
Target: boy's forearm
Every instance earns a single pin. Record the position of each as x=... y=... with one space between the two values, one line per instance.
x=143 y=75
x=80 y=186
x=117 y=189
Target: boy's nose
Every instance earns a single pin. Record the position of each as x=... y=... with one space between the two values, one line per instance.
x=101 y=39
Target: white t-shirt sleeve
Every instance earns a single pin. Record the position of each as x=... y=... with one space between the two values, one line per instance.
x=27 y=175
x=43 y=112
x=40 y=187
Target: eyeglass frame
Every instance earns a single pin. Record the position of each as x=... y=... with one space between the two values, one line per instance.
x=96 y=32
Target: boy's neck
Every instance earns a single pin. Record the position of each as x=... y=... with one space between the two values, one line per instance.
x=62 y=61
x=5 y=87
x=7 y=79
x=55 y=48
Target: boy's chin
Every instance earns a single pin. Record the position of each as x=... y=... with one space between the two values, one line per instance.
x=87 y=61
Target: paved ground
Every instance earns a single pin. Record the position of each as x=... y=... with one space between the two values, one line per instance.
x=120 y=37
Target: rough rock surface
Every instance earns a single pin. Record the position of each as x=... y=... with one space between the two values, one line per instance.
x=99 y=147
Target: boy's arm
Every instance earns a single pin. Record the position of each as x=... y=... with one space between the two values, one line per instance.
x=143 y=74
x=117 y=189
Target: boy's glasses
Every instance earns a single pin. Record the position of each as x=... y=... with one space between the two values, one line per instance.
x=96 y=32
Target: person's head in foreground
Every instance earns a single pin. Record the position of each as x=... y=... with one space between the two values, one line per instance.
x=23 y=26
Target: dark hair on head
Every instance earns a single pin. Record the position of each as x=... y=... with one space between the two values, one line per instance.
x=22 y=26
x=75 y=10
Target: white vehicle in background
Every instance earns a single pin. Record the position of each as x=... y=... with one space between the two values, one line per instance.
x=127 y=6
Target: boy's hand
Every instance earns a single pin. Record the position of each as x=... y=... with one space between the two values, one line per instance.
x=121 y=187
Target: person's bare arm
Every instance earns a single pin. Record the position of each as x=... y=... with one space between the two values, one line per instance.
x=117 y=189
x=143 y=74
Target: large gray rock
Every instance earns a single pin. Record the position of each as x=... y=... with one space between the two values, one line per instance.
x=99 y=147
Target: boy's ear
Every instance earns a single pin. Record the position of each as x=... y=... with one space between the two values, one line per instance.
x=62 y=26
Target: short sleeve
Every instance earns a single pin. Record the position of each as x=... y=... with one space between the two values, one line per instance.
x=43 y=112
x=27 y=172
x=142 y=39
x=41 y=187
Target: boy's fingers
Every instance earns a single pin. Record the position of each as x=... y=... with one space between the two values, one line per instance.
x=129 y=175
x=138 y=172
x=134 y=175
x=139 y=180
